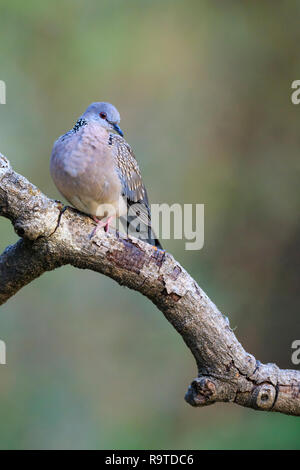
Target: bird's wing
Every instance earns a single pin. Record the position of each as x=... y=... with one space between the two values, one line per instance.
x=133 y=188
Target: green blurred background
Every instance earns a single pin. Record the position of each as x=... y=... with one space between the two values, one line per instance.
x=203 y=88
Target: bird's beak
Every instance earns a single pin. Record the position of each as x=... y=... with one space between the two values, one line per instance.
x=118 y=129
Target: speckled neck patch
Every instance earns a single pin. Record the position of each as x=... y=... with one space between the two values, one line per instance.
x=79 y=124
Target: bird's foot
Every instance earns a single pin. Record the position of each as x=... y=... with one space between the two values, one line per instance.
x=100 y=224
x=108 y=222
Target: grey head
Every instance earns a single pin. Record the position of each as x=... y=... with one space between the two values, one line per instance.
x=105 y=114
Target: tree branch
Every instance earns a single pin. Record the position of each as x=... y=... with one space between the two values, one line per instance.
x=52 y=237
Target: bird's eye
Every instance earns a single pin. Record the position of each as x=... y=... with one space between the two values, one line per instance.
x=103 y=115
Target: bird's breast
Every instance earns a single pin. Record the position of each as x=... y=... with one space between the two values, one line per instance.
x=83 y=169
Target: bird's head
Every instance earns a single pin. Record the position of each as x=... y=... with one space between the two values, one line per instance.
x=105 y=114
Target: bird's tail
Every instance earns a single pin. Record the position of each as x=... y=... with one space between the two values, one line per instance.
x=143 y=229
x=152 y=240
x=158 y=244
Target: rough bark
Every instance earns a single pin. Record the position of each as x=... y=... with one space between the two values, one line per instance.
x=52 y=237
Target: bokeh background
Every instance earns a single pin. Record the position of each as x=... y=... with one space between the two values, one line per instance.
x=204 y=91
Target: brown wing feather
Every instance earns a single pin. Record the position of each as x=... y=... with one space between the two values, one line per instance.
x=132 y=184
x=128 y=169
